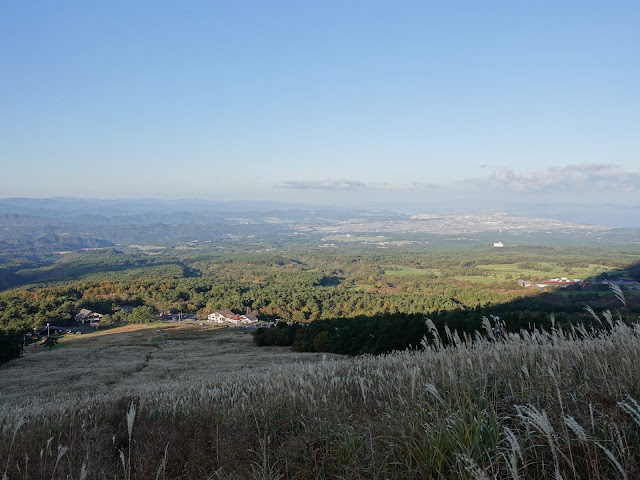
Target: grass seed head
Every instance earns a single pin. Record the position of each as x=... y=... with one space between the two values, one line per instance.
x=131 y=416
x=575 y=427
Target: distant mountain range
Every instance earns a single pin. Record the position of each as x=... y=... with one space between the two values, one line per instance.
x=31 y=228
x=79 y=211
x=83 y=211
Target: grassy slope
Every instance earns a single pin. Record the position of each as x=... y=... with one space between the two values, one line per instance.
x=531 y=406
x=127 y=360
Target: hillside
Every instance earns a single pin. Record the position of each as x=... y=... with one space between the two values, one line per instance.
x=557 y=404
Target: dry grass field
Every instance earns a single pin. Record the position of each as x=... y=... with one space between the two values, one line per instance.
x=135 y=404
x=131 y=359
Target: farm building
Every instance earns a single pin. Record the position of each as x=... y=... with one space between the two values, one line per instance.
x=87 y=316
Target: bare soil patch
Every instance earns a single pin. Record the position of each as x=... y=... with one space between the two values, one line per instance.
x=127 y=335
x=191 y=332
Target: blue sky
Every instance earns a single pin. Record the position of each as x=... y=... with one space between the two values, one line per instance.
x=347 y=102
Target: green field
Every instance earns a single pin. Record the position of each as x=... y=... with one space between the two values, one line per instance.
x=500 y=272
x=402 y=271
x=545 y=270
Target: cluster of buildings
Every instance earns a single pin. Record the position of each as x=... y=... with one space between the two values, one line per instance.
x=221 y=316
x=227 y=316
x=562 y=281
x=92 y=319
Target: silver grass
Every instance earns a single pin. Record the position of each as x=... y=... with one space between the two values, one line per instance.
x=612 y=458
x=632 y=408
x=513 y=442
x=514 y=454
x=163 y=465
x=21 y=421
x=593 y=314
x=539 y=420
x=122 y=459
x=617 y=291
x=61 y=452
x=486 y=324
x=434 y=331
x=431 y=388
x=575 y=427
x=472 y=467
x=131 y=416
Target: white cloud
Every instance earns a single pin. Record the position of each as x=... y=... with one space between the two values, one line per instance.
x=583 y=184
x=579 y=177
x=329 y=184
x=416 y=185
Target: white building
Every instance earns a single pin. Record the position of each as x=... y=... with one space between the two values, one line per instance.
x=248 y=318
x=227 y=316
x=221 y=316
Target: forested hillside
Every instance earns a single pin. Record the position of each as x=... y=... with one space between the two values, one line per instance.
x=300 y=286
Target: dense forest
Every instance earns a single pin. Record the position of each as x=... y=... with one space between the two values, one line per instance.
x=303 y=286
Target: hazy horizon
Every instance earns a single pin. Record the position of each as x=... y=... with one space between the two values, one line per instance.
x=606 y=215
x=498 y=105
